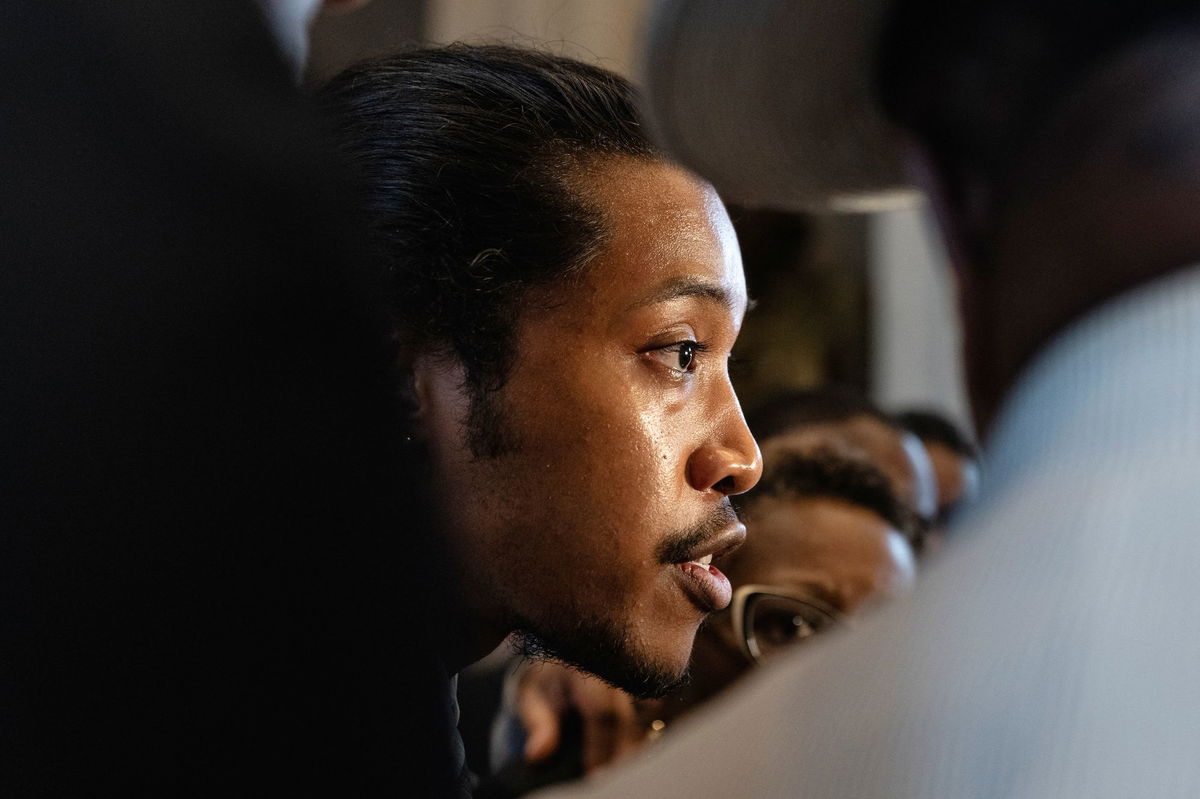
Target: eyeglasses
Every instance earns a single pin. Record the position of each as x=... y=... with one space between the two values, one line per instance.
x=768 y=618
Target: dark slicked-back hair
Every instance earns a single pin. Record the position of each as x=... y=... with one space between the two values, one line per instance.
x=977 y=81
x=469 y=155
x=803 y=407
x=824 y=473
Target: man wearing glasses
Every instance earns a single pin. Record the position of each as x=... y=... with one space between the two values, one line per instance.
x=828 y=539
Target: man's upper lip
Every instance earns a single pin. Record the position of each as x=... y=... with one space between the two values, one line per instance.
x=720 y=544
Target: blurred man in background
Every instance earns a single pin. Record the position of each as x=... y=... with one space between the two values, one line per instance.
x=840 y=417
x=829 y=541
x=203 y=514
x=1054 y=652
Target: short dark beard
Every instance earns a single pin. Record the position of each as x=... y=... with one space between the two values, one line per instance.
x=590 y=647
x=603 y=653
x=489 y=435
x=604 y=649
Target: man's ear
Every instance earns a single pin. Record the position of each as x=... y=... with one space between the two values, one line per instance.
x=431 y=386
x=412 y=389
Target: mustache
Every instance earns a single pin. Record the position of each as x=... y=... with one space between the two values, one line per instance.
x=680 y=545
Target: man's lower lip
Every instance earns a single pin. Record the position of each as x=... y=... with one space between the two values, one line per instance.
x=707 y=587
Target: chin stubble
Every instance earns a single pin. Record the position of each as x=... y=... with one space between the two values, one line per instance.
x=607 y=649
x=605 y=654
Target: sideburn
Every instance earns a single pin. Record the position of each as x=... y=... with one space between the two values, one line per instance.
x=489 y=435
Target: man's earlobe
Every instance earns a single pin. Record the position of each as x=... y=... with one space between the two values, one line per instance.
x=418 y=373
x=437 y=402
x=408 y=396
x=411 y=392
x=414 y=404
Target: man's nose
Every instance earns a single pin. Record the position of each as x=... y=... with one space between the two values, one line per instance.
x=729 y=462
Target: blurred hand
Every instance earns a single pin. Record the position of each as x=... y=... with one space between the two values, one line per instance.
x=547 y=691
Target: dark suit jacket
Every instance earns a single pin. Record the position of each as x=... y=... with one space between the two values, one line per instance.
x=211 y=581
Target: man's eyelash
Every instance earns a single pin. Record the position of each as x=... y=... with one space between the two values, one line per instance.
x=698 y=346
x=693 y=349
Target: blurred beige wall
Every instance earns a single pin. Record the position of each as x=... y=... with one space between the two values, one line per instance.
x=916 y=340
x=604 y=32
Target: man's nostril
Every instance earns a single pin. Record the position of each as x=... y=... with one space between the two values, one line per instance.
x=726 y=485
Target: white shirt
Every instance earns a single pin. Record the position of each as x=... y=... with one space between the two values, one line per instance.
x=1054 y=652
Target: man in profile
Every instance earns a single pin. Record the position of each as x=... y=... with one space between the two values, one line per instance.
x=1054 y=651
x=565 y=301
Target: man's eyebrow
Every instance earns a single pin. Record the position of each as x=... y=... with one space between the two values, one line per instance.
x=822 y=593
x=686 y=287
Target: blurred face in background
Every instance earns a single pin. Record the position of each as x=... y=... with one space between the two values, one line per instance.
x=841 y=556
x=898 y=453
x=809 y=563
x=844 y=556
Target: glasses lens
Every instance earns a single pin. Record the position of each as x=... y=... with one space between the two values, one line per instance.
x=775 y=622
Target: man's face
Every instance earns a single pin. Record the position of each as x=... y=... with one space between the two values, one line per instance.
x=627 y=440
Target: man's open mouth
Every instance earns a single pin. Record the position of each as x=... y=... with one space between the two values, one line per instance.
x=704 y=583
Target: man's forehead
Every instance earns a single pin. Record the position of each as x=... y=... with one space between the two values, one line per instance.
x=731 y=297
x=668 y=234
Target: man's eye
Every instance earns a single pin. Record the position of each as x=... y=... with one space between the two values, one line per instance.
x=680 y=356
x=781 y=629
x=777 y=622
